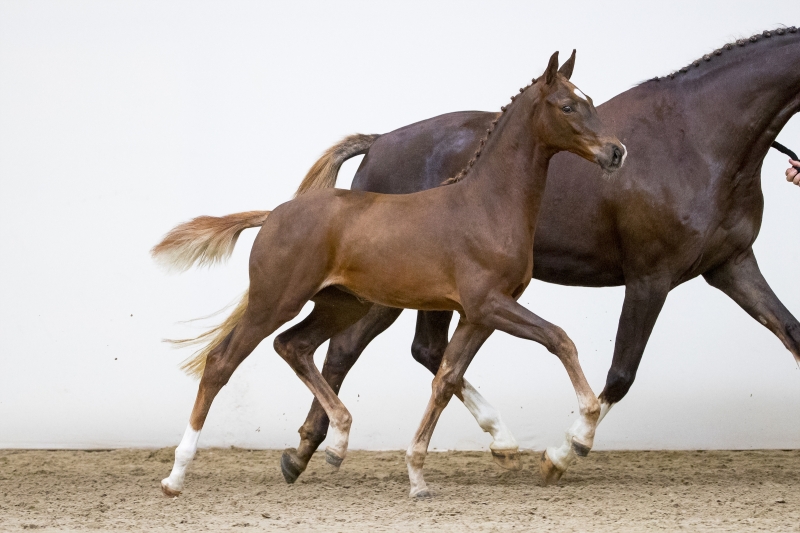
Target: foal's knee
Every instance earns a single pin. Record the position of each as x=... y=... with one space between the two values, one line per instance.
x=444 y=387
x=559 y=343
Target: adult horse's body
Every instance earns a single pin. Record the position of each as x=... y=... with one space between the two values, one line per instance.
x=466 y=247
x=687 y=203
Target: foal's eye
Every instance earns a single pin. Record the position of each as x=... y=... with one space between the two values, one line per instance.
x=566 y=109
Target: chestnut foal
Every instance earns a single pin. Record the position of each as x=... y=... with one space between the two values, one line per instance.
x=466 y=247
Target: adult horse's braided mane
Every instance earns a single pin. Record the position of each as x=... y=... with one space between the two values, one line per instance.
x=766 y=34
x=458 y=177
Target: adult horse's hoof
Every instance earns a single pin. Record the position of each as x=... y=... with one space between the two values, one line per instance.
x=169 y=492
x=508 y=459
x=290 y=465
x=333 y=459
x=550 y=472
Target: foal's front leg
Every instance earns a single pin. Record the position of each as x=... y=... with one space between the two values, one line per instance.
x=430 y=343
x=466 y=341
x=504 y=313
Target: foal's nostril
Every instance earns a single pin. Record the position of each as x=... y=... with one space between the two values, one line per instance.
x=617 y=157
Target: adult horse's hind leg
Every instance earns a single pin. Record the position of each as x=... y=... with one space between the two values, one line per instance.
x=334 y=311
x=430 y=342
x=343 y=352
x=741 y=279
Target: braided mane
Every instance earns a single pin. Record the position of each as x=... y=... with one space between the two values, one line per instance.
x=766 y=34
x=460 y=176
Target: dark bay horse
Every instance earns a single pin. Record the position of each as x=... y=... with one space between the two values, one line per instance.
x=472 y=245
x=687 y=203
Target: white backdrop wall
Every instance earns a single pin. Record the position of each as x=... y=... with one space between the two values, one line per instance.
x=119 y=120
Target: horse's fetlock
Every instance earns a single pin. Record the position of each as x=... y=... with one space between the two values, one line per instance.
x=311 y=435
x=344 y=423
x=592 y=410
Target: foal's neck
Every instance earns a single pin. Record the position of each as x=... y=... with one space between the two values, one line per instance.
x=511 y=173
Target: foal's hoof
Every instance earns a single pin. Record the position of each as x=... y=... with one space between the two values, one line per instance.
x=333 y=459
x=581 y=450
x=290 y=465
x=421 y=494
x=169 y=492
x=550 y=472
x=508 y=459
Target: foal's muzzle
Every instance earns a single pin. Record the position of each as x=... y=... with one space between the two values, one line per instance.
x=611 y=156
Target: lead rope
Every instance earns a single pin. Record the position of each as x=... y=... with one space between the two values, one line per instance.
x=784 y=150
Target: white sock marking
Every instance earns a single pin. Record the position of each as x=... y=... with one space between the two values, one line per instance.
x=488 y=419
x=582 y=431
x=340 y=440
x=184 y=454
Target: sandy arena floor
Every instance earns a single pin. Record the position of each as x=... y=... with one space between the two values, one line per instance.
x=241 y=490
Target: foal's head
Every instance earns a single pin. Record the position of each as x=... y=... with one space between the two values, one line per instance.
x=567 y=119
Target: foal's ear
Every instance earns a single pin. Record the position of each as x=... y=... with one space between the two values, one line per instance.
x=552 y=69
x=568 y=66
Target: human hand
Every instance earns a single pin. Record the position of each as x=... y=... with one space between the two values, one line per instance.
x=793 y=172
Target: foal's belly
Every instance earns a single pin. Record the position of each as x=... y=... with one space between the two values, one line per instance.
x=390 y=292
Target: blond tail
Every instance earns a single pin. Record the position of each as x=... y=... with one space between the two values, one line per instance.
x=204 y=240
x=196 y=363
x=323 y=173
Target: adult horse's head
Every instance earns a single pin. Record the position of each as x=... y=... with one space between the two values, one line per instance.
x=571 y=121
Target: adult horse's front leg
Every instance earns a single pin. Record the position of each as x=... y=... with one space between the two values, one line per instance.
x=741 y=279
x=504 y=313
x=343 y=352
x=466 y=341
x=430 y=342
x=644 y=299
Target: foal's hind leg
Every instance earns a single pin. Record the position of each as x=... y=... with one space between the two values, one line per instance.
x=430 y=342
x=343 y=352
x=333 y=312
x=220 y=364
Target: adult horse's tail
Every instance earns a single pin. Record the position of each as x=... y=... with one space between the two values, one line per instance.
x=208 y=240
x=322 y=175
